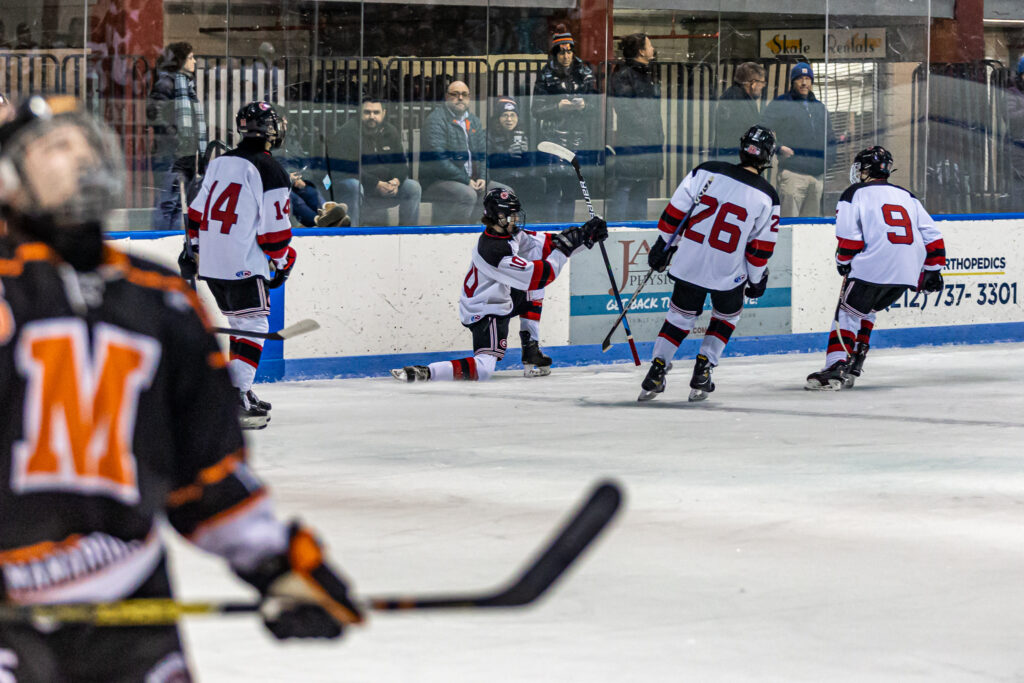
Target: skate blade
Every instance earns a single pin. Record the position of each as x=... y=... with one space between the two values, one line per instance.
x=254 y=422
x=848 y=382
x=399 y=374
x=647 y=395
x=831 y=385
x=536 y=371
x=697 y=395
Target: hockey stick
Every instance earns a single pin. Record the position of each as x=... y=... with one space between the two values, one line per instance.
x=570 y=156
x=839 y=330
x=607 y=343
x=184 y=226
x=301 y=327
x=572 y=539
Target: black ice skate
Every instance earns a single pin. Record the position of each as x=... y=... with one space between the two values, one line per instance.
x=257 y=401
x=701 y=384
x=535 y=363
x=832 y=378
x=654 y=382
x=411 y=373
x=251 y=415
x=856 y=365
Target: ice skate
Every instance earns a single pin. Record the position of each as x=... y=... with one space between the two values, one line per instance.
x=251 y=415
x=411 y=373
x=832 y=378
x=701 y=384
x=535 y=362
x=856 y=365
x=654 y=382
x=257 y=401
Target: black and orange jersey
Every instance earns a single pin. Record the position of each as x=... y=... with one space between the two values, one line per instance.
x=115 y=409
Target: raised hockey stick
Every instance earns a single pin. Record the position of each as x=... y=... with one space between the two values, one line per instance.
x=570 y=156
x=301 y=327
x=561 y=552
x=607 y=343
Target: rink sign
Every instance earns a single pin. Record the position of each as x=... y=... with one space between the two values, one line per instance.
x=592 y=307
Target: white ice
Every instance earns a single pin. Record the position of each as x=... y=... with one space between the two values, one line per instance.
x=769 y=534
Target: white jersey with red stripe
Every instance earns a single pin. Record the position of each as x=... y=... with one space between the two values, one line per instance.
x=240 y=216
x=732 y=232
x=501 y=263
x=886 y=235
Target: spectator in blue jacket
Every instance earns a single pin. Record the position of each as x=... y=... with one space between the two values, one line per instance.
x=804 y=135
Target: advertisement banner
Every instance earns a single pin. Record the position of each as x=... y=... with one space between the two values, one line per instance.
x=592 y=307
x=841 y=43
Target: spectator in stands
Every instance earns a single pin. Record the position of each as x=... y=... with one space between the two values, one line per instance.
x=179 y=129
x=4 y=43
x=369 y=153
x=452 y=158
x=25 y=39
x=306 y=200
x=738 y=109
x=802 y=127
x=639 y=137
x=566 y=107
x=509 y=159
x=75 y=37
x=1015 y=112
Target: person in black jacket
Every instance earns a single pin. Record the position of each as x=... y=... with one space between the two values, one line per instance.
x=369 y=151
x=565 y=104
x=1015 y=114
x=509 y=159
x=639 y=137
x=737 y=110
x=802 y=127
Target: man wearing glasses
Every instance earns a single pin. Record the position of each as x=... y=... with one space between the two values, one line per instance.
x=738 y=109
x=452 y=158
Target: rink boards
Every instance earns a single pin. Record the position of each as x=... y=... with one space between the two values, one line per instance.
x=385 y=297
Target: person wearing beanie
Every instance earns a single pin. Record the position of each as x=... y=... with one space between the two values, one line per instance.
x=1015 y=121
x=802 y=127
x=509 y=159
x=566 y=108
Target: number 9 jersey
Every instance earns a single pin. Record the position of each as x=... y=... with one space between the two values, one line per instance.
x=885 y=235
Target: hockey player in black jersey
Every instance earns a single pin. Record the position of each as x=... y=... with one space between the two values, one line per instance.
x=240 y=229
x=510 y=268
x=723 y=251
x=116 y=410
x=887 y=244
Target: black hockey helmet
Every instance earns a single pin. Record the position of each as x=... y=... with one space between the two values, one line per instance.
x=875 y=161
x=503 y=209
x=261 y=120
x=757 y=147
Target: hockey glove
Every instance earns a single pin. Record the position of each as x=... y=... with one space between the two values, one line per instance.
x=187 y=265
x=282 y=268
x=659 y=257
x=843 y=268
x=595 y=230
x=302 y=596
x=569 y=240
x=930 y=281
x=754 y=291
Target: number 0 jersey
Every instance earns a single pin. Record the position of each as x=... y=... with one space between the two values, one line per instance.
x=241 y=215
x=115 y=409
x=732 y=232
x=524 y=261
x=886 y=235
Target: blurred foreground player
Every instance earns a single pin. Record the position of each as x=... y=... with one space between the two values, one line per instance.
x=116 y=409
x=507 y=276
x=723 y=252
x=239 y=228
x=887 y=244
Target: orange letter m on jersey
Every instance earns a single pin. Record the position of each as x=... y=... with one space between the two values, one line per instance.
x=80 y=407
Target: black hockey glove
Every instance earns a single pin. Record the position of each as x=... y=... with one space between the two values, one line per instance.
x=843 y=268
x=187 y=265
x=755 y=290
x=659 y=257
x=930 y=281
x=282 y=269
x=595 y=230
x=302 y=596
x=569 y=240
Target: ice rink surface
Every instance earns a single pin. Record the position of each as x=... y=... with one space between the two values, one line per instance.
x=768 y=534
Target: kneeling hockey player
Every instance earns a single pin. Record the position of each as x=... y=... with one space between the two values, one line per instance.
x=887 y=244
x=506 y=278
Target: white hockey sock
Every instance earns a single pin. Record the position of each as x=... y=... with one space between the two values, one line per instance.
x=530 y=326
x=677 y=325
x=720 y=329
x=850 y=322
x=479 y=367
x=245 y=352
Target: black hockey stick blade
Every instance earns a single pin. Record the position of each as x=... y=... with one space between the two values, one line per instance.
x=301 y=327
x=560 y=553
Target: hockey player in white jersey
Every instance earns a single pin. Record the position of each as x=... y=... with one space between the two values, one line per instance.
x=507 y=276
x=723 y=250
x=240 y=231
x=887 y=244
